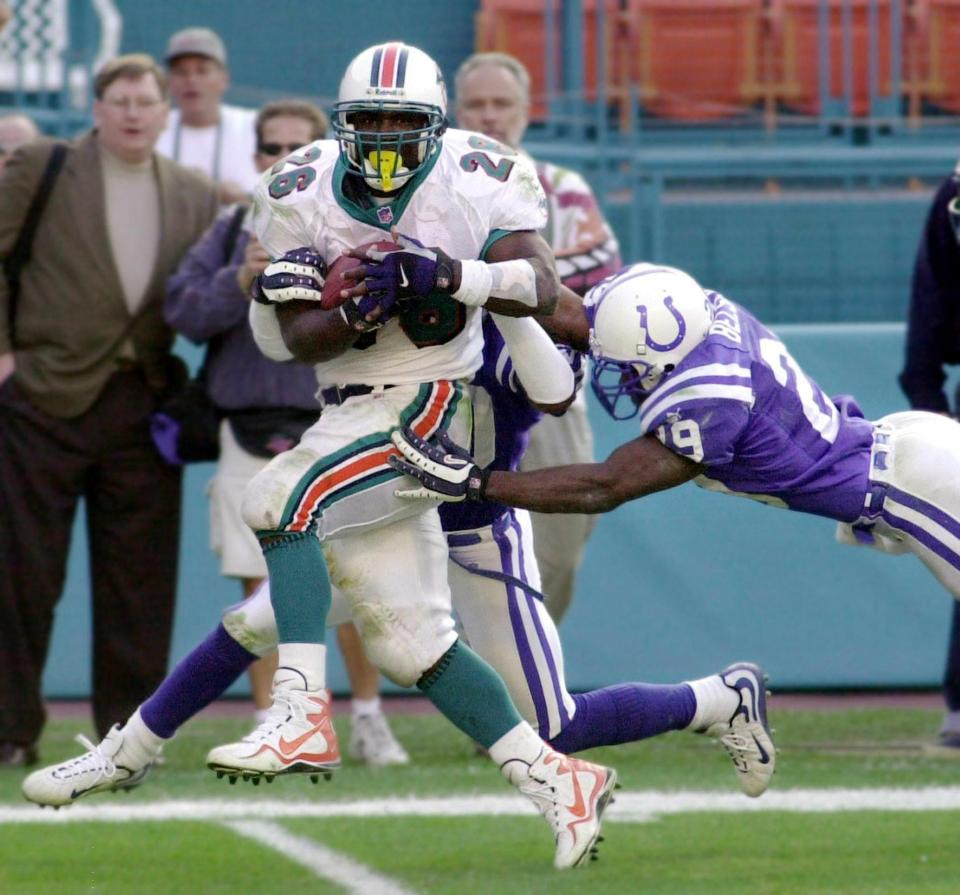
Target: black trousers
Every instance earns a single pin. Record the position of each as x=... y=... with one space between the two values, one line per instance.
x=132 y=501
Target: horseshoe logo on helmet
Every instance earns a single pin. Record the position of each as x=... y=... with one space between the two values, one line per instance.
x=681 y=327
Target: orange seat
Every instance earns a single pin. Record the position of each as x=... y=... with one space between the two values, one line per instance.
x=798 y=70
x=696 y=60
x=939 y=52
x=517 y=27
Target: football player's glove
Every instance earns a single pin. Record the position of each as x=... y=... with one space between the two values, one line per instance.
x=297 y=276
x=410 y=271
x=446 y=471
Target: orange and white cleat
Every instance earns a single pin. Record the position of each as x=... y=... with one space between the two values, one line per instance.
x=296 y=737
x=571 y=794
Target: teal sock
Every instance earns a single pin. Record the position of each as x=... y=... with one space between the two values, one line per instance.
x=471 y=695
x=299 y=586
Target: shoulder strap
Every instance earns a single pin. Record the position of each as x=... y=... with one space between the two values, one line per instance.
x=233 y=232
x=20 y=254
x=229 y=244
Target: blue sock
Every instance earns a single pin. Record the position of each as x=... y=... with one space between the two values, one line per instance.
x=197 y=680
x=625 y=713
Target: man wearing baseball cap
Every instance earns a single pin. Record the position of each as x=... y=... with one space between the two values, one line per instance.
x=203 y=132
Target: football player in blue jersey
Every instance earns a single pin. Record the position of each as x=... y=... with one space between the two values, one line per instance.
x=721 y=401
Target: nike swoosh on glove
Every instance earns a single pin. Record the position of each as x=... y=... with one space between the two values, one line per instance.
x=445 y=471
x=297 y=276
x=411 y=271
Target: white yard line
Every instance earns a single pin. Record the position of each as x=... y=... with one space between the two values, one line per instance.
x=318 y=859
x=629 y=807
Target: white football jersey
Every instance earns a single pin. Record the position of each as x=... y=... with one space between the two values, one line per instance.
x=471 y=193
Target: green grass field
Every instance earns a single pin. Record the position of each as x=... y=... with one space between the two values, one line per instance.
x=678 y=826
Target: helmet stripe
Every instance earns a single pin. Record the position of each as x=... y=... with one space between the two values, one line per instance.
x=375 y=67
x=402 y=67
x=389 y=66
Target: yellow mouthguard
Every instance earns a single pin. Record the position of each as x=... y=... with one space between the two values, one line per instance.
x=385 y=163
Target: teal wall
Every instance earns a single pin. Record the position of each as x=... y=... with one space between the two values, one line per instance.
x=800 y=257
x=302 y=48
x=677 y=584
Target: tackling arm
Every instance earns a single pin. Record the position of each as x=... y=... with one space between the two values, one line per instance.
x=640 y=467
x=567 y=325
x=637 y=468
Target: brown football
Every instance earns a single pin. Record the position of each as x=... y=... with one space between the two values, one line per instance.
x=335 y=283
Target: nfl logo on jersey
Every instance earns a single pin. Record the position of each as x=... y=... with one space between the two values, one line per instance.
x=385 y=214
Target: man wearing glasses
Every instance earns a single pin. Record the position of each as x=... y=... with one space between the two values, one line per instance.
x=84 y=353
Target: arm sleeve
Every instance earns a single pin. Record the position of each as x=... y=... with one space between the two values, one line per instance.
x=542 y=369
x=203 y=296
x=266 y=332
x=934 y=296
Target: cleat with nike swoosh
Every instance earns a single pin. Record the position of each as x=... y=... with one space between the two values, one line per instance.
x=572 y=795
x=106 y=767
x=296 y=737
x=746 y=735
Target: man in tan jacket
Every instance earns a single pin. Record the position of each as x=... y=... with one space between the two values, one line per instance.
x=81 y=367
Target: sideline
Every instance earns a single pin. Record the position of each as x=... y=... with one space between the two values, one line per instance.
x=630 y=807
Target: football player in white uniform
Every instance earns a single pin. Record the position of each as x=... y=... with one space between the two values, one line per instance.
x=396 y=352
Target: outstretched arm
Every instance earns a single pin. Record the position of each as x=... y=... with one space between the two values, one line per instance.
x=639 y=467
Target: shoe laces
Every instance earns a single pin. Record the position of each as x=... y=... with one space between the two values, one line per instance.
x=92 y=761
x=544 y=796
x=739 y=746
x=284 y=708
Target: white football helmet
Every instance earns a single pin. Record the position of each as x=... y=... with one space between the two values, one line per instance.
x=390 y=77
x=643 y=320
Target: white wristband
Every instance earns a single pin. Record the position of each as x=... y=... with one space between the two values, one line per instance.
x=476 y=278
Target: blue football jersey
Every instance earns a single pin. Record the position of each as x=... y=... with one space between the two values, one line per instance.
x=740 y=404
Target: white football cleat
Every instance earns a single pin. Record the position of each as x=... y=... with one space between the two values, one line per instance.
x=372 y=742
x=571 y=794
x=746 y=736
x=101 y=768
x=296 y=737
